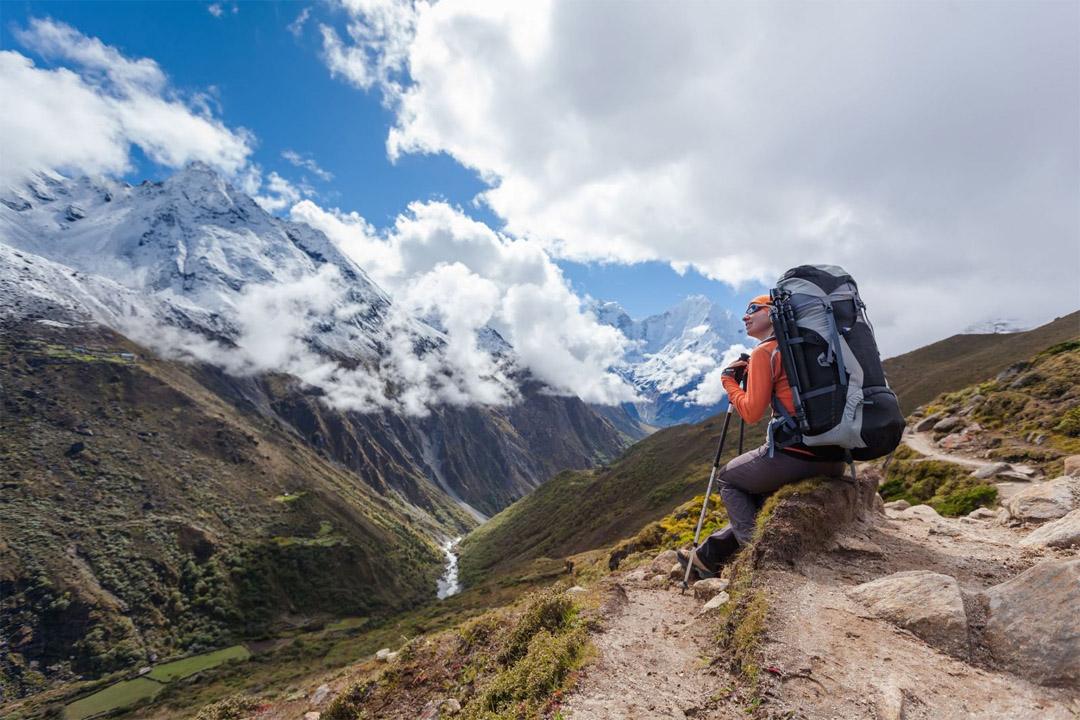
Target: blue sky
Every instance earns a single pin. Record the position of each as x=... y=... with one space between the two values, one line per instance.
x=274 y=83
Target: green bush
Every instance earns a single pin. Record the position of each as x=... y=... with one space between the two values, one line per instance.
x=549 y=610
x=532 y=679
x=946 y=487
x=963 y=501
x=1070 y=423
x=231 y=708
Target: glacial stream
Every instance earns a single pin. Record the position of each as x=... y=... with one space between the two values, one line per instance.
x=448 y=583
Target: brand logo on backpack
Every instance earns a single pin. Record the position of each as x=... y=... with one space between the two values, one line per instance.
x=831 y=358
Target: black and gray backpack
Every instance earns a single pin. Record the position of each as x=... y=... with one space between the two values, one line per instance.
x=832 y=363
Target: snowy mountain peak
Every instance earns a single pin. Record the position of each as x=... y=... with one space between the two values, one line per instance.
x=995 y=326
x=672 y=352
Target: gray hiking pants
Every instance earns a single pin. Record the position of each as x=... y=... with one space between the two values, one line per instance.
x=755 y=473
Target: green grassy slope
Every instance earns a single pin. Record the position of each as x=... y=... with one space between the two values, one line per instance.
x=142 y=515
x=961 y=360
x=579 y=510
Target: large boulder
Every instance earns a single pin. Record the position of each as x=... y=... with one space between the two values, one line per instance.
x=1033 y=623
x=949 y=424
x=1062 y=533
x=927 y=422
x=804 y=518
x=709 y=588
x=1044 y=501
x=661 y=564
x=989 y=471
x=928 y=604
x=1072 y=465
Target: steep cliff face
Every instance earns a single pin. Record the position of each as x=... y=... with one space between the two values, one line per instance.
x=484 y=458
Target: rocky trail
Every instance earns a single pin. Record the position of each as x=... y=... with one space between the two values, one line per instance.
x=904 y=614
x=653 y=656
x=1009 y=479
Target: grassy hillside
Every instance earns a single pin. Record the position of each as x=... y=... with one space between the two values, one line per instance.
x=1028 y=414
x=144 y=517
x=961 y=360
x=580 y=510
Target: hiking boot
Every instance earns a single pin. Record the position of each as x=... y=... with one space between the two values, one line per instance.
x=700 y=571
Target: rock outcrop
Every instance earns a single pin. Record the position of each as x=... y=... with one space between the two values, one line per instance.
x=1045 y=501
x=1033 y=623
x=709 y=588
x=1072 y=465
x=1061 y=533
x=928 y=604
x=805 y=517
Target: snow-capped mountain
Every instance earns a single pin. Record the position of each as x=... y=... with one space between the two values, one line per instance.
x=193 y=266
x=672 y=353
x=192 y=242
x=995 y=326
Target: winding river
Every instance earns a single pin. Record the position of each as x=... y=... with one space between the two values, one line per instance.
x=448 y=583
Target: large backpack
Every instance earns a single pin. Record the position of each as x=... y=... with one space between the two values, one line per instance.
x=832 y=363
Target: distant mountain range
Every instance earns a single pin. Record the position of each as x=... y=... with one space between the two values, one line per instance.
x=672 y=353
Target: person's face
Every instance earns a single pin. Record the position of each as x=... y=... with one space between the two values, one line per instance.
x=757 y=322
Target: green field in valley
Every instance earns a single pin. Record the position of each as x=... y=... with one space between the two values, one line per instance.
x=128 y=692
x=114 y=697
x=189 y=666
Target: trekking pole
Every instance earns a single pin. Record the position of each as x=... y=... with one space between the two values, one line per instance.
x=742 y=431
x=709 y=493
x=708 y=488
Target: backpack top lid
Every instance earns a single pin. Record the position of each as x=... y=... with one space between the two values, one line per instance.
x=826 y=277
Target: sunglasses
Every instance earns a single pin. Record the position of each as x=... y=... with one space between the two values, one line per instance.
x=754 y=307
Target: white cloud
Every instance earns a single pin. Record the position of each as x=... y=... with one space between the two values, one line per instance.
x=277 y=194
x=379 y=33
x=930 y=149
x=435 y=260
x=711 y=389
x=216 y=10
x=296 y=27
x=85 y=118
x=308 y=164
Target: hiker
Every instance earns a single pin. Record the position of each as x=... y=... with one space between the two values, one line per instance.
x=747 y=479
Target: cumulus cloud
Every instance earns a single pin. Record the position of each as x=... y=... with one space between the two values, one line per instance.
x=436 y=260
x=276 y=328
x=296 y=27
x=379 y=34
x=711 y=389
x=306 y=163
x=85 y=118
x=930 y=149
x=216 y=10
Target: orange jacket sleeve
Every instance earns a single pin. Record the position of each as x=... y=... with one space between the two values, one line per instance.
x=752 y=403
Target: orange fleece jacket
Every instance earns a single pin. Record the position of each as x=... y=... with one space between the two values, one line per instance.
x=764 y=376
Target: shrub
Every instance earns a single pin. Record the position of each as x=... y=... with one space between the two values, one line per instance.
x=946 y=487
x=1070 y=423
x=231 y=708
x=549 y=610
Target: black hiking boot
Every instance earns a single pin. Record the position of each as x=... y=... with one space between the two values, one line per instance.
x=699 y=570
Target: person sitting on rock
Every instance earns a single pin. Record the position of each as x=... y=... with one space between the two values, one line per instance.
x=747 y=479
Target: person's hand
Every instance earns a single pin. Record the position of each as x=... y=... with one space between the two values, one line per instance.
x=736 y=370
